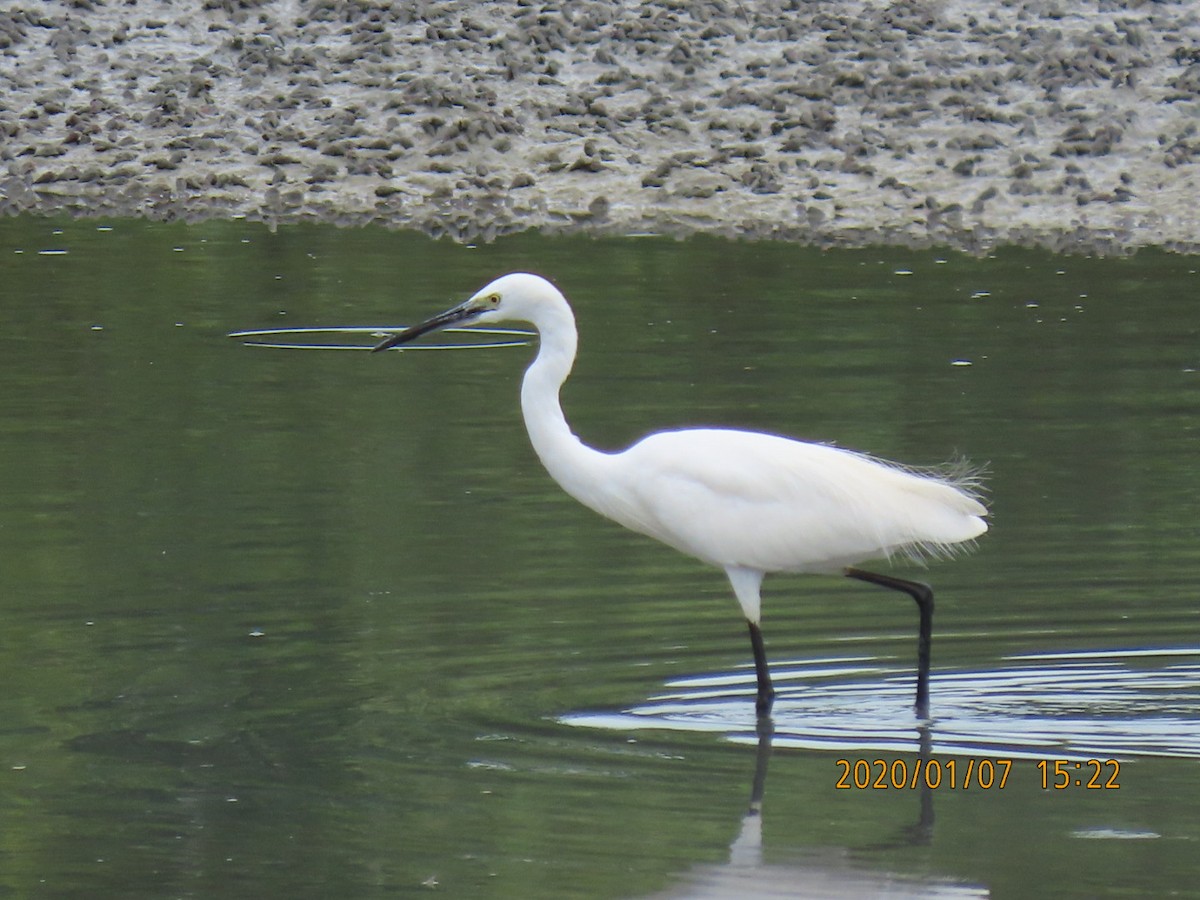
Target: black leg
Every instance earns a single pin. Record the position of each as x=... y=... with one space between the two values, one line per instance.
x=923 y=595
x=766 y=691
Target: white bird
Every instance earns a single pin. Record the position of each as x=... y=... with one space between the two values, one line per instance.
x=747 y=502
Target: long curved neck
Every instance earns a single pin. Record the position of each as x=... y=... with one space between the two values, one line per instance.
x=570 y=462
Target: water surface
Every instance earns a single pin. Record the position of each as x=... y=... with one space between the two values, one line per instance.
x=317 y=624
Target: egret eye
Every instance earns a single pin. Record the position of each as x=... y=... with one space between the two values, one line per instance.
x=491 y=301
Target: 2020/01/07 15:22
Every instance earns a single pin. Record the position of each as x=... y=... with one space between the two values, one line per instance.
x=964 y=774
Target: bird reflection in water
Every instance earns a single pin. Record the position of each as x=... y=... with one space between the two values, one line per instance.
x=817 y=873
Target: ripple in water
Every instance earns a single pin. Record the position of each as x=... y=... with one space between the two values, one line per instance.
x=1111 y=704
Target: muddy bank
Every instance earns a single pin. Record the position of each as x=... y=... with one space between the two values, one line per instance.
x=969 y=124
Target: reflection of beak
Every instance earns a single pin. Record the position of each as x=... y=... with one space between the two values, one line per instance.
x=460 y=313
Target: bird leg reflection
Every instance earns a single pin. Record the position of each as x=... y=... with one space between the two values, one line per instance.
x=765 y=731
x=923 y=595
x=746 y=851
x=831 y=872
x=921 y=832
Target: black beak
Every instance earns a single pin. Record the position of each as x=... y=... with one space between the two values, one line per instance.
x=461 y=313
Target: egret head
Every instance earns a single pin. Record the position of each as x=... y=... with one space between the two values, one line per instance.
x=517 y=296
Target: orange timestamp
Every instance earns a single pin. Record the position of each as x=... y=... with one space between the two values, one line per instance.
x=972 y=774
x=1060 y=774
x=901 y=774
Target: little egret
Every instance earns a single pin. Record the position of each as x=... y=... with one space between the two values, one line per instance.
x=747 y=502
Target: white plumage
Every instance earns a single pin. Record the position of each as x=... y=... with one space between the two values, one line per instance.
x=760 y=501
x=747 y=502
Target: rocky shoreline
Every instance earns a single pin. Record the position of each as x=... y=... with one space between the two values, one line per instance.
x=1074 y=127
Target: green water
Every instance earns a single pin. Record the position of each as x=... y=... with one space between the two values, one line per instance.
x=314 y=624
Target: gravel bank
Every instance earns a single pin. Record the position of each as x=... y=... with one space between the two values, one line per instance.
x=1069 y=125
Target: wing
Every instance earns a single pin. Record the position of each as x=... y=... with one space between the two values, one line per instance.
x=760 y=501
